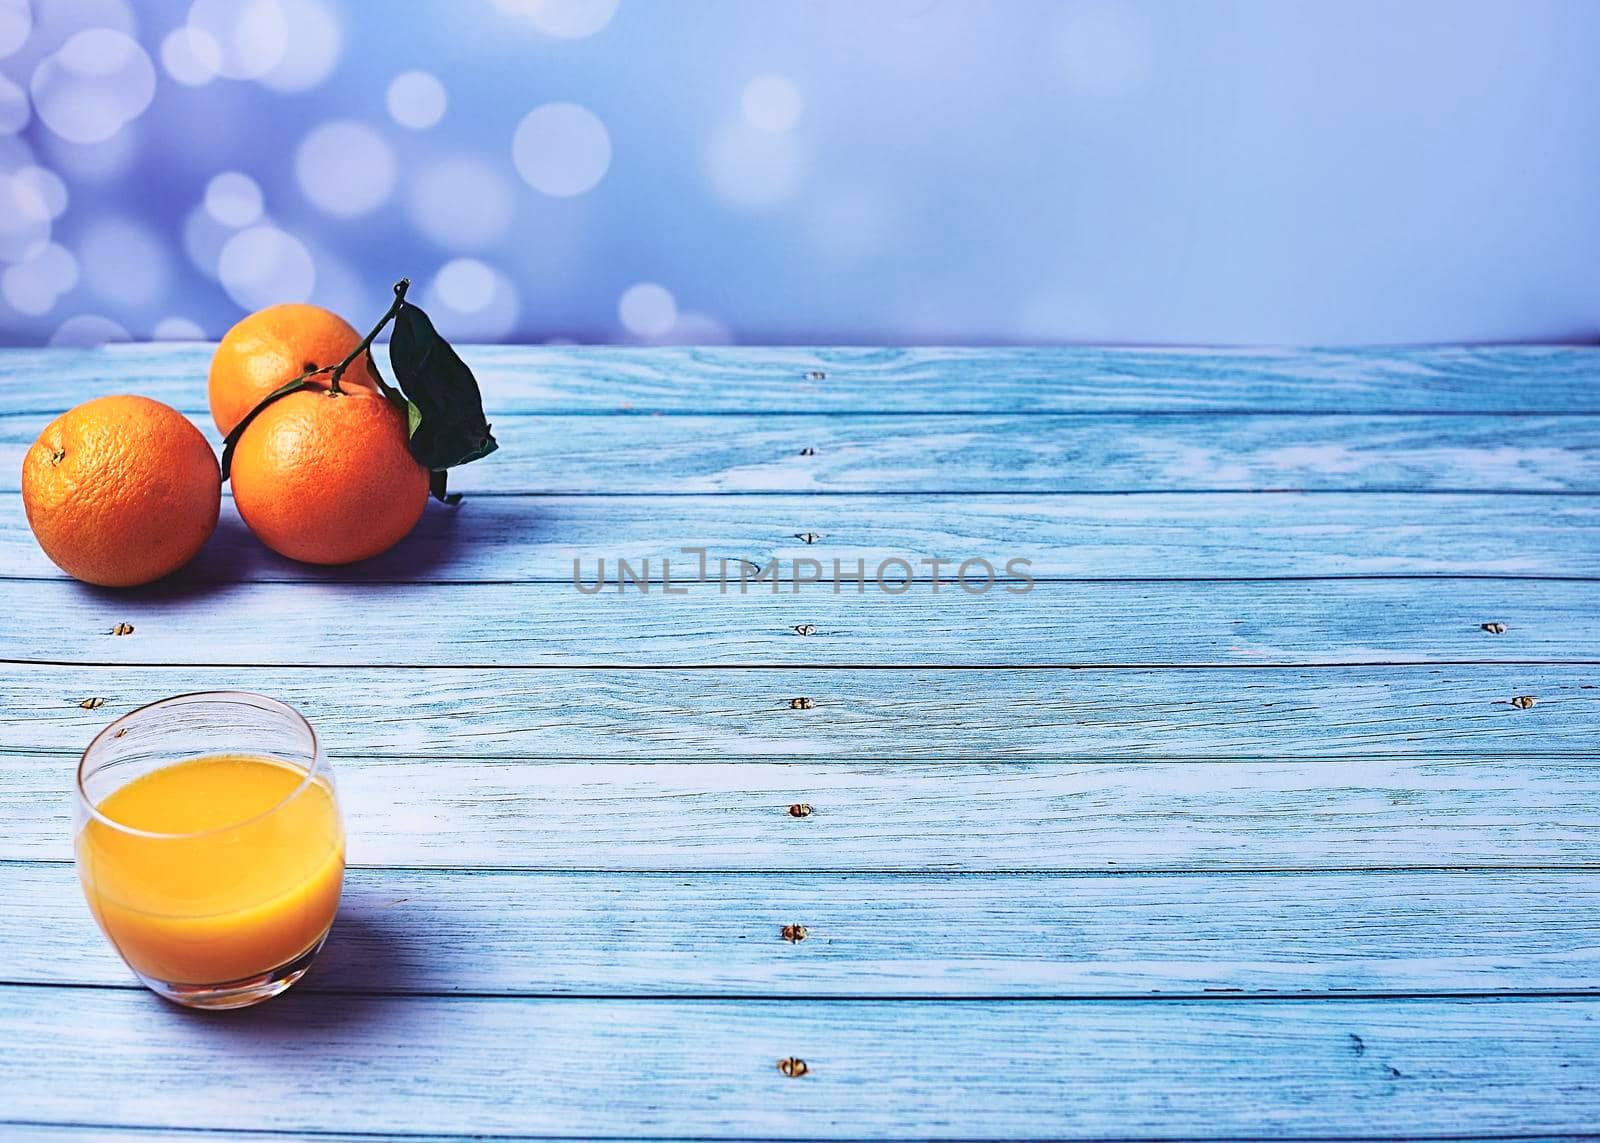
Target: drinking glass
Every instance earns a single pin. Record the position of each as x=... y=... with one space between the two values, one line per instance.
x=209 y=845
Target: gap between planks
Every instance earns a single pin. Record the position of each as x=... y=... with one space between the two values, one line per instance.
x=27 y=1131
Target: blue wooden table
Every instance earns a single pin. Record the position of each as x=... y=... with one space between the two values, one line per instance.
x=1271 y=810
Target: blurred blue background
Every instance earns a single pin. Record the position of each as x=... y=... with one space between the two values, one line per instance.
x=897 y=171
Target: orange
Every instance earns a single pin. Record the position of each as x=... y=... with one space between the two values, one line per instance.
x=121 y=490
x=274 y=346
x=327 y=478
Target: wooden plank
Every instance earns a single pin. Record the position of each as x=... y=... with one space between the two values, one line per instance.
x=42 y=1133
x=56 y=1132
x=46 y=1133
x=863 y=715
x=561 y=379
x=1157 y=536
x=1054 y=624
x=522 y=933
x=707 y=1069
x=1026 y=453
x=466 y=812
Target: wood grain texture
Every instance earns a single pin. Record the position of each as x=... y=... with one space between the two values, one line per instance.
x=17 y=1132
x=1054 y=624
x=520 y=933
x=1171 y=536
x=1056 y=881
x=1018 y=453
x=743 y=714
x=953 y=1069
x=466 y=812
x=607 y=379
x=20 y=1132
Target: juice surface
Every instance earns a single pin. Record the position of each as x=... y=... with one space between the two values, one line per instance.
x=256 y=884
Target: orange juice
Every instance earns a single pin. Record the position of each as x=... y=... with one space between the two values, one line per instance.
x=227 y=866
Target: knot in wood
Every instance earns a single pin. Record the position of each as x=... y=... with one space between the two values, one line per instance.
x=808 y=451
x=800 y=810
x=92 y=703
x=805 y=628
x=793 y=1067
x=1523 y=702
x=808 y=537
x=122 y=629
x=801 y=703
x=816 y=375
x=1494 y=628
x=794 y=934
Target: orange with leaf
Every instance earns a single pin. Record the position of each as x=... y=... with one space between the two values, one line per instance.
x=330 y=472
x=325 y=477
x=330 y=464
x=273 y=346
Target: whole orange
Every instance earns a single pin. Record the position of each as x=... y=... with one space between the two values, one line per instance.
x=274 y=346
x=121 y=490
x=327 y=478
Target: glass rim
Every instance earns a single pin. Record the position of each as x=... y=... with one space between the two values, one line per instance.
x=313 y=771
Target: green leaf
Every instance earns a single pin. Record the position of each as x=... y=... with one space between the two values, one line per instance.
x=232 y=439
x=413 y=419
x=436 y=485
x=451 y=429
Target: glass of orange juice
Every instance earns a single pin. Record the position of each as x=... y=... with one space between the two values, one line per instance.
x=209 y=845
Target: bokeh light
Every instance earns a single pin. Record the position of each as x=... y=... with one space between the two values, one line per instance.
x=263 y=266
x=567 y=19
x=16 y=21
x=14 y=109
x=190 y=56
x=460 y=203
x=647 y=309
x=24 y=219
x=83 y=331
x=91 y=162
x=239 y=39
x=47 y=186
x=561 y=149
x=33 y=287
x=316 y=41
x=804 y=170
x=472 y=300
x=345 y=168
x=416 y=99
x=177 y=329
x=772 y=102
x=695 y=328
x=99 y=81
x=203 y=240
x=233 y=199
x=466 y=285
